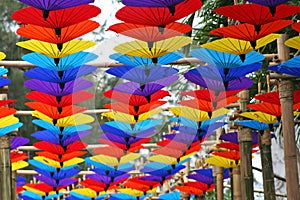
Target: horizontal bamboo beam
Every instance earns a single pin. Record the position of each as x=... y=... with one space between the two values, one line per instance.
x=96 y=111
x=24 y=64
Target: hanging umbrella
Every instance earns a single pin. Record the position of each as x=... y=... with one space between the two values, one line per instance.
x=176 y=153
x=239 y=47
x=253 y=124
x=107 y=168
x=28 y=195
x=56 y=89
x=65 y=63
x=47 y=6
x=142 y=75
x=233 y=137
x=164 y=3
x=208 y=106
x=2 y=55
x=224 y=75
x=2 y=70
x=55 y=112
x=222 y=162
x=57 y=19
x=293 y=42
x=190 y=190
x=271 y=4
x=296 y=26
x=260 y=116
x=65 y=157
x=158 y=49
x=133 y=147
x=232 y=154
x=96 y=186
x=63 y=101
x=247 y=32
x=210 y=95
x=76 y=119
x=162 y=172
x=150 y=34
x=49 y=35
x=7 y=111
x=226 y=60
x=269 y=108
x=172 y=195
x=219 y=85
x=200 y=185
x=4 y=82
x=285 y=70
x=18 y=141
x=157 y=16
x=256 y=14
x=52 y=51
x=135 y=100
x=139 y=61
x=112 y=161
x=168 y=159
x=58 y=149
x=134 y=110
x=130 y=119
x=70 y=163
x=56 y=184
x=84 y=193
x=7 y=121
x=147 y=89
x=17 y=156
x=197 y=115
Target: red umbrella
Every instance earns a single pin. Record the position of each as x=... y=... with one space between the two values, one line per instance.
x=150 y=34
x=208 y=106
x=55 y=112
x=200 y=185
x=110 y=151
x=64 y=157
x=176 y=145
x=256 y=14
x=135 y=100
x=94 y=185
x=17 y=156
x=268 y=108
x=4 y=112
x=134 y=110
x=190 y=190
x=175 y=152
x=40 y=186
x=6 y=102
x=157 y=16
x=247 y=31
x=57 y=149
x=50 y=35
x=233 y=154
x=67 y=100
x=210 y=95
x=229 y=145
x=296 y=27
x=57 y=19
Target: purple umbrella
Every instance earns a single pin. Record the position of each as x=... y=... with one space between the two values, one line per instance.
x=181 y=137
x=106 y=179
x=147 y=89
x=269 y=3
x=17 y=142
x=56 y=183
x=119 y=139
x=202 y=178
x=56 y=89
x=233 y=137
x=237 y=84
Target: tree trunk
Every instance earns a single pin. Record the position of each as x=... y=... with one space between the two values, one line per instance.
x=286 y=93
x=220 y=178
x=267 y=165
x=5 y=167
x=236 y=176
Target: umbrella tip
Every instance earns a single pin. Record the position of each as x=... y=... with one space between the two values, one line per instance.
x=257 y=28
x=57 y=31
x=59 y=46
x=155 y=60
x=56 y=61
x=172 y=10
x=243 y=57
x=161 y=28
x=46 y=14
x=253 y=44
x=273 y=10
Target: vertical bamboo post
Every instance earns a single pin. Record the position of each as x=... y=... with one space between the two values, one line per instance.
x=219 y=173
x=267 y=165
x=286 y=93
x=245 y=140
x=236 y=181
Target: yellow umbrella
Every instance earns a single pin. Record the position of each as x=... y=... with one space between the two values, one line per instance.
x=293 y=42
x=168 y=159
x=222 y=162
x=130 y=119
x=142 y=49
x=112 y=161
x=2 y=55
x=18 y=165
x=260 y=116
x=239 y=47
x=7 y=121
x=52 y=51
x=87 y=192
x=134 y=192
x=195 y=114
x=56 y=164
x=72 y=120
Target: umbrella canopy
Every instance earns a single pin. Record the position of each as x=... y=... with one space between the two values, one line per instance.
x=150 y=34
x=285 y=70
x=157 y=16
x=260 y=116
x=256 y=14
x=270 y=3
x=296 y=26
x=190 y=190
x=58 y=149
x=209 y=95
x=65 y=63
x=18 y=141
x=63 y=101
x=247 y=32
x=57 y=19
x=135 y=100
x=226 y=60
x=239 y=47
x=269 y=108
x=253 y=124
x=139 y=61
x=142 y=75
x=155 y=50
x=2 y=55
x=233 y=137
x=84 y=193
x=112 y=161
x=155 y=3
x=172 y=195
x=147 y=89
x=7 y=121
x=56 y=89
x=7 y=129
x=222 y=162
x=293 y=42
x=60 y=76
x=224 y=75
x=49 y=35
x=273 y=97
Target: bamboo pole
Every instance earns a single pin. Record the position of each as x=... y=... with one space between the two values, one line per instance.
x=236 y=181
x=5 y=167
x=267 y=165
x=245 y=141
x=286 y=93
x=219 y=173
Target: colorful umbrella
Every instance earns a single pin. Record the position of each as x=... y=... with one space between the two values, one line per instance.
x=142 y=75
x=270 y=3
x=253 y=124
x=150 y=34
x=222 y=162
x=139 y=61
x=135 y=100
x=285 y=70
x=233 y=137
x=65 y=63
x=296 y=26
x=226 y=60
x=190 y=190
x=260 y=116
x=172 y=195
x=293 y=42
x=157 y=16
x=247 y=32
x=273 y=97
x=66 y=34
x=158 y=49
x=269 y=108
x=210 y=95
x=112 y=161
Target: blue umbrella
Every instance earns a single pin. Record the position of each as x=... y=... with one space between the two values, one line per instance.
x=226 y=60
x=104 y=167
x=4 y=82
x=57 y=175
x=122 y=196
x=162 y=172
x=8 y=129
x=49 y=168
x=61 y=130
x=172 y=195
x=113 y=173
x=253 y=124
x=139 y=61
x=285 y=70
x=65 y=63
x=3 y=71
x=60 y=76
x=142 y=75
